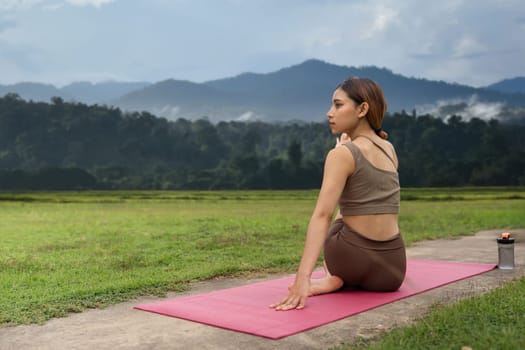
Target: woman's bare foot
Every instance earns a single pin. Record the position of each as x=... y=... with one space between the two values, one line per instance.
x=325 y=285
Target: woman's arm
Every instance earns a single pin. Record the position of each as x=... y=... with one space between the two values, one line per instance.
x=338 y=166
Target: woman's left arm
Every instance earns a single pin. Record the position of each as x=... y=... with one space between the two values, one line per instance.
x=338 y=166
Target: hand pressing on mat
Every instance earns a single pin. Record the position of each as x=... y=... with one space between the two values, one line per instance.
x=297 y=295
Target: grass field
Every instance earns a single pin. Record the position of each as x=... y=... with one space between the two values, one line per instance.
x=66 y=252
x=495 y=320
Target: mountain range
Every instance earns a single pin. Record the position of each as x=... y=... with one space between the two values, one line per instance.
x=85 y=92
x=514 y=85
x=299 y=92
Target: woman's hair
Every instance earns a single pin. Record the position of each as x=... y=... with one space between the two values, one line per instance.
x=365 y=90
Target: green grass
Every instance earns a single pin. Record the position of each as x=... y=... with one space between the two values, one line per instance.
x=495 y=320
x=65 y=252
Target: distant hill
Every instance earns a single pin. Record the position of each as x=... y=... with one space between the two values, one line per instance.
x=299 y=92
x=100 y=92
x=86 y=92
x=34 y=91
x=514 y=85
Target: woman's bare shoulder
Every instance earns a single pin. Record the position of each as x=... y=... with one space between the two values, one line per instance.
x=389 y=145
x=341 y=151
x=340 y=158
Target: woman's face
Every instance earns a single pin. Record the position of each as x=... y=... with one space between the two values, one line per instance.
x=343 y=115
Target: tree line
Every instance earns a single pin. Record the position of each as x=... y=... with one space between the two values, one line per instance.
x=61 y=145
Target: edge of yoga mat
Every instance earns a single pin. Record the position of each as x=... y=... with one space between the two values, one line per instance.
x=245 y=308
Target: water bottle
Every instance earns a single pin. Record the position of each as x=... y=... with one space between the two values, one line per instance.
x=505 y=251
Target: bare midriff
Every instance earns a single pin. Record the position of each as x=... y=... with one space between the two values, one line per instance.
x=379 y=227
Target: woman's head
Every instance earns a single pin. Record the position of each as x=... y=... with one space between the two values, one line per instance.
x=366 y=91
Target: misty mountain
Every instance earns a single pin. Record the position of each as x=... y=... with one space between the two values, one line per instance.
x=100 y=93
x=514 y=85
x=299 y=92
x=85 y=92
x=182 y=99
x=34 y=91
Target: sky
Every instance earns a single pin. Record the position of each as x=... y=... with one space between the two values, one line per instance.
x=472 y=42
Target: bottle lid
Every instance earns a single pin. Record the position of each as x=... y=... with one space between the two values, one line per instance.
x=505 y=238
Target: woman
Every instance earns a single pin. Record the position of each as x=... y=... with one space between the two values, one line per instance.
x=363 y=248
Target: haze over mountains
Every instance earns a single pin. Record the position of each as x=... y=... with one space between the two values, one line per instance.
x=299 y=92
x=86 y=92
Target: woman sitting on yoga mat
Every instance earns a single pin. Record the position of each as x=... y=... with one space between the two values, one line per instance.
x=363 y=247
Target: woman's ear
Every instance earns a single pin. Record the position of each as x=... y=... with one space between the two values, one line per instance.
x=363 y=109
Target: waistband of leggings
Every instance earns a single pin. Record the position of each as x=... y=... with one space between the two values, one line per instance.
x=353 y=237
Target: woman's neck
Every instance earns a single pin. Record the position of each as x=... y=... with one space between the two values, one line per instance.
x=364 y=130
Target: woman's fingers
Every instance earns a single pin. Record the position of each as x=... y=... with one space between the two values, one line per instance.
x=295 y=303
x=301 y=304
x=342 y=140
x=344 y=137
x=283 y=301
x=288 y=305
x=297 y=295
x=290 y=302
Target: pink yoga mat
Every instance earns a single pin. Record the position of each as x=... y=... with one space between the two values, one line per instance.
x=245 y=309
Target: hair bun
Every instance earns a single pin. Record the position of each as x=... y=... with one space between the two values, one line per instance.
x=382 y=134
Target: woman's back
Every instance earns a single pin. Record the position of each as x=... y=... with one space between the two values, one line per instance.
x=372 y=205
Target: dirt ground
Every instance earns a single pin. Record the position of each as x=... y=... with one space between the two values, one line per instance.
x=122 y=327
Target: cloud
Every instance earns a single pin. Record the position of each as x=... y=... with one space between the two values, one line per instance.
x=6 y=23
x=11 y=5
x=248 y=116
x=19 y=61
x=383 y=18
x=53 y=7
x=424 y=56
x=475 y=43
x=168 y=111
x=94 y=3
x=468 y=46
x=471 y=108
x=14 y=5
x=513 y=115
x=466 y=108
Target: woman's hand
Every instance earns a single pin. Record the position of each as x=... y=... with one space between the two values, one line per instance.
x=297 y=295
x=342 y=140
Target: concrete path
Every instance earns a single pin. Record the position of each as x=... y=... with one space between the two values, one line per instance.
x=122 y=327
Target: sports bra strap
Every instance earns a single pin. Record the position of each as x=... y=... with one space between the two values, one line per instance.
x=381 y=148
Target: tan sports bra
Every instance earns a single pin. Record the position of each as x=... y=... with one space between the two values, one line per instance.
x=369 y=190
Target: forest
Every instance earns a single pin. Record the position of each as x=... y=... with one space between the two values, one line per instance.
x=75 y=146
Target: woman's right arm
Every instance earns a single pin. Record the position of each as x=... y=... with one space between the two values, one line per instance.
x=338 y=166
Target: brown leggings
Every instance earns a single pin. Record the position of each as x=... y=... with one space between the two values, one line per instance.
x=378 y=266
